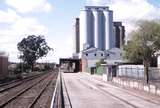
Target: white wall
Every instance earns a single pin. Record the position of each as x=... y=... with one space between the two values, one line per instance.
x=94 y=55
x=114 y=54
x=158 y=61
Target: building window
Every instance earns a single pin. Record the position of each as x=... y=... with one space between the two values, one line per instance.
x=86 y=54
x=101 y=54
x=95 y=54
x=120 y=54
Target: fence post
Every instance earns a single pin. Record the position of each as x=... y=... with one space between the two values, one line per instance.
x=126 y=72
x=138 y=79
x=117 y=71
x=131 y=72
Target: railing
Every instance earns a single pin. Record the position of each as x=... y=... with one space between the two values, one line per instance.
x=138 y=73
x=58 y=98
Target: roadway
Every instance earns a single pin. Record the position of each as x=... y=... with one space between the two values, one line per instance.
x=85 y=91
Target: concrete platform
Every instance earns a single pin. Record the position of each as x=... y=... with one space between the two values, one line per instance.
x=84 y=91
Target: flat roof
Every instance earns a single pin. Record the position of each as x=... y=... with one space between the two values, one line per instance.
x=97 y=7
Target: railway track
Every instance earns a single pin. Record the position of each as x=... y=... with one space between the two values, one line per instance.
x=16 y=83
x=11 y=82
x=46 y=96
x=27 y=96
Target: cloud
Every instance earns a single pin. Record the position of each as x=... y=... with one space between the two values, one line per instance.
x=29 y=26
x=15 y=27
x=13 y=24
x=129 y=11
x=25 y=6
x=8 y=16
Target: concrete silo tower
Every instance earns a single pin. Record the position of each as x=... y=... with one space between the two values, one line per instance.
x=96 y=28
x=109 y=37
x=86 y=29
x=119 y=33
x=99 y=28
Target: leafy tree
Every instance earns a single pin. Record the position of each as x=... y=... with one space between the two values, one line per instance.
x=144 y=43
x=32 y=48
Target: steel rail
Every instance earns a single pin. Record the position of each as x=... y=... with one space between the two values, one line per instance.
x=41 y=92
x=21 y=92
x=3 y=89
x=8 y=86
x=55 y=93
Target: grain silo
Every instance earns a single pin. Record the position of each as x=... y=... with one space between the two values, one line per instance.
x=86 y=29
x=96 y=28
x=119 y=33
x=108 y=20
x=99 y=28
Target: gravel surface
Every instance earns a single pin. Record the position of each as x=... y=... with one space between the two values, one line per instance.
x=46 y=97
x=24 y=100
x=12 y=92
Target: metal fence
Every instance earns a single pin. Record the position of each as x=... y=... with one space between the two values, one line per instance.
x=154 y=73
x=138 y=73
x=131 y=73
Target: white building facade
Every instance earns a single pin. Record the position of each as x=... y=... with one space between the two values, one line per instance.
x=94 y=55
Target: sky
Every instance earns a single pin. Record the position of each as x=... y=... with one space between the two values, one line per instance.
x=54 y=19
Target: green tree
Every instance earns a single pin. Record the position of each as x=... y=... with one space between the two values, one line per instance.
x=144 y=43
x=32 y=48
x=100 y=62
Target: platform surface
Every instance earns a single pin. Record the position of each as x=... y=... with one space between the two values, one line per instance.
x=87 y=92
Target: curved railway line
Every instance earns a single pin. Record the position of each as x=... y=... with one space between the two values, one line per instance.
x=26 y=94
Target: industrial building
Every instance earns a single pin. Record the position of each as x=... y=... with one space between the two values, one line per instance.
x=96 y=28
x=76 y=40
x=97 y=37
x=119 y=33
x=76 y=37
x=3 y=65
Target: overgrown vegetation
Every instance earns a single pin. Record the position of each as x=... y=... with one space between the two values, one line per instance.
x=144 y=43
